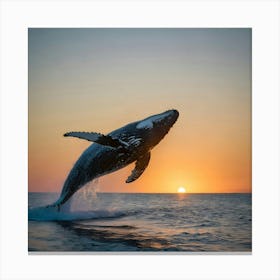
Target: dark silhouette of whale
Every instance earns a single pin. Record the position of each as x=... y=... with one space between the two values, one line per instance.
x=116 y=150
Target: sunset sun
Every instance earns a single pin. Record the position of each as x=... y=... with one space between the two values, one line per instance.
x=181 y=190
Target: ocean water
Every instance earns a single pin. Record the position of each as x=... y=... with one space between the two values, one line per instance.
x=95 y=222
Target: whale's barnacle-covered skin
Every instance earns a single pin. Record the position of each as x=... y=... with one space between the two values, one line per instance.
x=116 y=150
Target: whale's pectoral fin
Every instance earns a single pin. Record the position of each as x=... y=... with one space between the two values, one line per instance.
x=99 y=138
x=140 y=166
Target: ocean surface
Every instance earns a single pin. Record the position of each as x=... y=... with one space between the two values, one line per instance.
x=95 y=222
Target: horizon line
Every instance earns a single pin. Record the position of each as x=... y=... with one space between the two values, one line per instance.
x=156 y=192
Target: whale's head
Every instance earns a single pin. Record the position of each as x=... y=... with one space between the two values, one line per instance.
x=157 y=126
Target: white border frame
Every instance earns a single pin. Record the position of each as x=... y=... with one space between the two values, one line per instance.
x=17 y=16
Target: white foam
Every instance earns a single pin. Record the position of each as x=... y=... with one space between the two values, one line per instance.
x=84 y=199
x=51 y=214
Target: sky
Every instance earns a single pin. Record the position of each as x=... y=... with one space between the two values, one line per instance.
x=98 y=80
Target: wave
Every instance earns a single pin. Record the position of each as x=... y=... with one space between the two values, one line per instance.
x=78 y=207
x=51 y=214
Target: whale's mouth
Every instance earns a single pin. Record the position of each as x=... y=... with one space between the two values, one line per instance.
x=167 y=118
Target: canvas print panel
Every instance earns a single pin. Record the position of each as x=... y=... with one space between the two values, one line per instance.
x=139 y=140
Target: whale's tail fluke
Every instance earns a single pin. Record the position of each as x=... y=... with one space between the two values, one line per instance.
x=60 y=202
x=83 y=200
x=54 y=205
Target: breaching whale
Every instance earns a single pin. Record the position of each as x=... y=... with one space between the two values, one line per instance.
x=111 y=152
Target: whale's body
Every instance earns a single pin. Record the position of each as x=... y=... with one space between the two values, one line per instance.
x=116 y=150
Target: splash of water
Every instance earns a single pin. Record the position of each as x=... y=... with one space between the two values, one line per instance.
x=84 y=199
x=84 y=204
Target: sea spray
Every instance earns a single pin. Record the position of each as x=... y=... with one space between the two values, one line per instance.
x=84 y=199
x=83 y=205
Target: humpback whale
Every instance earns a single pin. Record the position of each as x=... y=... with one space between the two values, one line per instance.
x=111 y=152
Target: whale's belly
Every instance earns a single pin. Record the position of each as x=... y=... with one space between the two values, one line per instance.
x=97 y=161
x=106 y=160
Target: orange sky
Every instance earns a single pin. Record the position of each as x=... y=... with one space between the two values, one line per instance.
x=101 y=79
